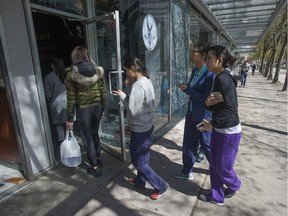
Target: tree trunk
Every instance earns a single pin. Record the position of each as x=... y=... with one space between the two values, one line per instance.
x=279 y=61
x=285 y=83
x=261 y=69
x=267 y=66
x=265 y=50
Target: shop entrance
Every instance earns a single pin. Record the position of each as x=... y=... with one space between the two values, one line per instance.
x=57 y=36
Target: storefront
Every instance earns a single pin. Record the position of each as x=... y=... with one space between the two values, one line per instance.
x=160 y=33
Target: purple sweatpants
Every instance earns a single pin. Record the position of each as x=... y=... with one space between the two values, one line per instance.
x=224 y=148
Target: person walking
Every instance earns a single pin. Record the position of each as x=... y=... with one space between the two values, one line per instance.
x=225 y=125
x=198 y=89
x=86 y=92
x=253 y=69
x=55 y=93
x=244 y=72
x=139 y=103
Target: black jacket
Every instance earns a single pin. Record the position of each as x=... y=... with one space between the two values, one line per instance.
x=225 y=114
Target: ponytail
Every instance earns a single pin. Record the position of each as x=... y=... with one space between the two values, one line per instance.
x=221 y=51
x=138 y=64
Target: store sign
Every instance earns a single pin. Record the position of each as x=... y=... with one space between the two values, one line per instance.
x=149 y=32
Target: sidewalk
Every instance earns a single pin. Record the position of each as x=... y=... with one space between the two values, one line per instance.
x=261 y=165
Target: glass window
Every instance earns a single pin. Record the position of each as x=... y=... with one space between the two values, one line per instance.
x=155 y=52
x=70 y=6
x=144 y=27
x=150 y=45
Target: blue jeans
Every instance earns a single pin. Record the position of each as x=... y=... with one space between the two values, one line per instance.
x=89 y=119
x=243 y=79
x=140 y=156
x=192 y=138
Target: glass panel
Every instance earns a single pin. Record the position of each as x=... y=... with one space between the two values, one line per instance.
x=156 y=60
x=106 y=45
x=71 y=6
x=155 y=52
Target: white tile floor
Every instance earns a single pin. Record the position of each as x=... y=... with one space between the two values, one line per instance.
x=5 y=174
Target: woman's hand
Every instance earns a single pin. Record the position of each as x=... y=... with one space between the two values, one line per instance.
x=205 y=126
x=102 y=114
x=212 y=100
x=118 y=92
x=182 y=86
x=69 y=125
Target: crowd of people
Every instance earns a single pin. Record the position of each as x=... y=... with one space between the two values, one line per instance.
x=212 y=124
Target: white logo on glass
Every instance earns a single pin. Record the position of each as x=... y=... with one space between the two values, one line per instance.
x=149 y=32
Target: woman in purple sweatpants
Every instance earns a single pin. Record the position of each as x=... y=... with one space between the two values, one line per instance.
x=226 y=132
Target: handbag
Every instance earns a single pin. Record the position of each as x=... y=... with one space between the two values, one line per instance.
x=70 y=151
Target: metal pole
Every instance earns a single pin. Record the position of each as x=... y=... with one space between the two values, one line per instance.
x=120 y=84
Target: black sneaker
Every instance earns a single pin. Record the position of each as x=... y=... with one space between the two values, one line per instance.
x=95 y=171
x=99 y=163
x=207 y=198
x=228 y=193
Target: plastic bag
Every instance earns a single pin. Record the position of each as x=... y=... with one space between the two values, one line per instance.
x=70 y=150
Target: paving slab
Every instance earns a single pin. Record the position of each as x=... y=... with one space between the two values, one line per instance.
x=261 y=164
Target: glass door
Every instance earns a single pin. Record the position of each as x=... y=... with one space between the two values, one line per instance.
x=103 y=36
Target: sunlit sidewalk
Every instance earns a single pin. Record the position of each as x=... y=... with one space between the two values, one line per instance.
x=261 y=164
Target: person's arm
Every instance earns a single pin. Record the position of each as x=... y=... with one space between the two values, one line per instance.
x=71 y=98
x=133 y=103
x=103 y=93
x=201 y=96
x=136 y=100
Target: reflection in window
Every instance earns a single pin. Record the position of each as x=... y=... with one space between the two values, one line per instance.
x=71 y=6
x=157 y=60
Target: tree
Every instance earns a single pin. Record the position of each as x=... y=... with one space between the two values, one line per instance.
x=285 y=83
x=279 y=61
x=282 y=44
x=273 y=47
x=265 y=45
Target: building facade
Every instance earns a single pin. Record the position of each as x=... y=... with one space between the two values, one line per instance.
x=160 y=33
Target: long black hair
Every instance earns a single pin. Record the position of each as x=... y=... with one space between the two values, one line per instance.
x=137 y=63
x=59 y=68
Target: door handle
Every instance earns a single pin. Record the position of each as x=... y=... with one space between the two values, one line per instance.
x=113 y=81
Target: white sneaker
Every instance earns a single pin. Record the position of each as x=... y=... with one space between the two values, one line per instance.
x=181 y=175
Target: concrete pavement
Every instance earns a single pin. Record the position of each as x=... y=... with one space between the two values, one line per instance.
x=261 y=165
